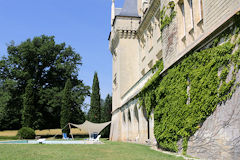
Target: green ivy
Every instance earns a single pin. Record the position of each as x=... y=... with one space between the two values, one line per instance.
x=150 y=85
x=185 y=145
x=178 y=113
x=165 y=20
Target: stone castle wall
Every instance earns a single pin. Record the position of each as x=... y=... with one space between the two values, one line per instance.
x=216 y=11
x=219 y=135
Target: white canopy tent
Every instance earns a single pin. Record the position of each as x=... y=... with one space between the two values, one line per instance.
x=91 y=127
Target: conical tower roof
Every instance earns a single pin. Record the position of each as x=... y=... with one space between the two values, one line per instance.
x=130 y=9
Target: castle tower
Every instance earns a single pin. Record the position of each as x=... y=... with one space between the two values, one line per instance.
x=123 y=45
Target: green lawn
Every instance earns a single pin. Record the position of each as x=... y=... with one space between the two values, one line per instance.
x=107 y=151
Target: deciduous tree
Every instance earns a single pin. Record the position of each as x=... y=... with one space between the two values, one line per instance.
x=49 y=65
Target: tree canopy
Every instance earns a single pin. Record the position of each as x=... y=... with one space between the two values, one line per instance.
x=48 y=65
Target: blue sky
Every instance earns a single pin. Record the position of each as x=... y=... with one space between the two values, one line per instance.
x=83 y=24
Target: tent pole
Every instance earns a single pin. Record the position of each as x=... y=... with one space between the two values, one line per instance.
x=70 y=130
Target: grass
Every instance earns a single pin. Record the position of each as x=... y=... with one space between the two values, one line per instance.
x=107 y=151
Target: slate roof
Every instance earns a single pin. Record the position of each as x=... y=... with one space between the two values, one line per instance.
x=117 y=11
x=129 y=8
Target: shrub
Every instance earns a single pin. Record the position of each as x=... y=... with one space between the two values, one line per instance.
x=26 y=133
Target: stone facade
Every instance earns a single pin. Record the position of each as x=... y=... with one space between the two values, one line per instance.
x=219 y=136
x=137 y=41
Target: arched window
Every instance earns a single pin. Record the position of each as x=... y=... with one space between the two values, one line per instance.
x=136 y=113
x=124 y=117
x=129 y=115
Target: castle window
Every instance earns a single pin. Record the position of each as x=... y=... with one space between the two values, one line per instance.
x=200 y=9
x=181 y=5
x=115 y=79
x=143 y=72
x=129 y=115
x=159 y=55
x=144 y=6
x=150 y=38
x=191 y=14
x=124 y=118
x=150 y=64
x=136 y=113
x=143 y=41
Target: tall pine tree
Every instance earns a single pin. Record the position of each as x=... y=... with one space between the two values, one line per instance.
x=94 y=114
x=66 y=106
x=28 y=106
x=106 y=115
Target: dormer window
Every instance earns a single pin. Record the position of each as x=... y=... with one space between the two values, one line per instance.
x=145 y=5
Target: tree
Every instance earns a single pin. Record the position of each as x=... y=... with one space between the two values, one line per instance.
x=49 y=65
x=66 y=106
x=9 y=116
x=71 y=108
x=28 y=106
x=78 y=94
x=106 y=114
x=94 y=114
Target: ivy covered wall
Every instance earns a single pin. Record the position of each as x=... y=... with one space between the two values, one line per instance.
x=189 y=92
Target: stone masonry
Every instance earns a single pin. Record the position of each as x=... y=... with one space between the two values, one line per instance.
x=137 y=43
